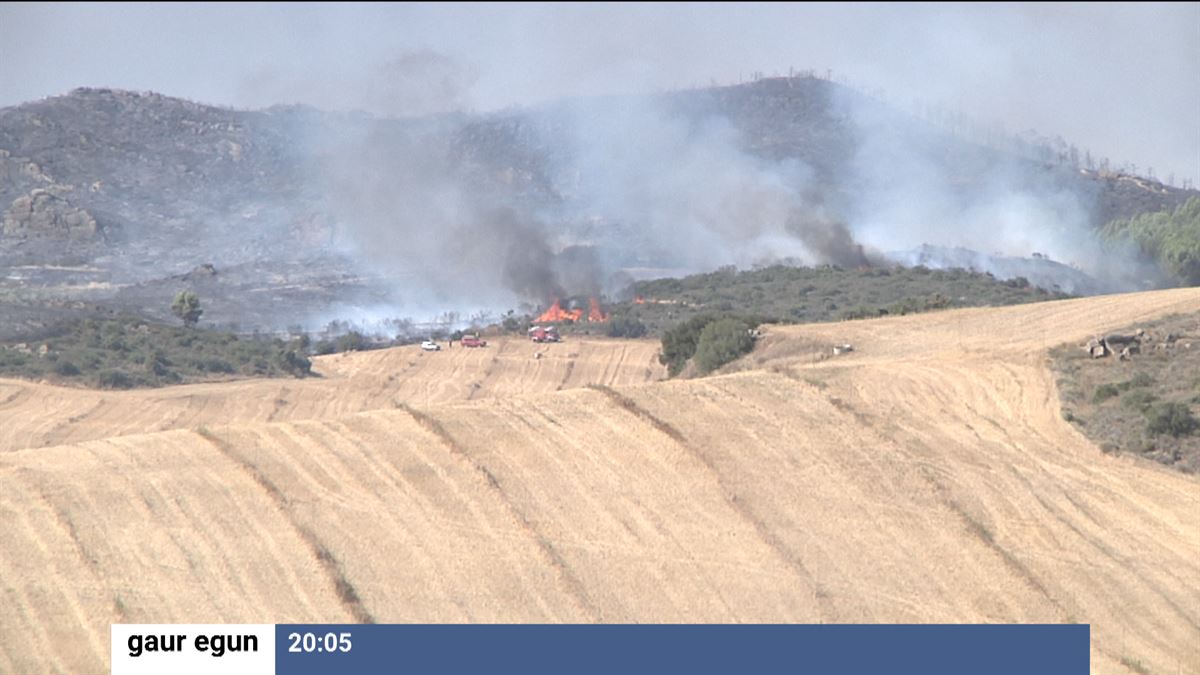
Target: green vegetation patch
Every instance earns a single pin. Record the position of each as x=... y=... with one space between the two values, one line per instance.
x=1172 y=238
x=713 y=339
x=1147 y=405
x=126 y=353
x=785 y=294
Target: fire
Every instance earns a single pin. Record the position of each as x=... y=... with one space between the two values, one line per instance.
x=557 y=313
x=639 y=300
x=594 y=311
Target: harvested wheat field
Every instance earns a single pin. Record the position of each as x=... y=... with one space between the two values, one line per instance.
x=928 y=476
x=38 y=415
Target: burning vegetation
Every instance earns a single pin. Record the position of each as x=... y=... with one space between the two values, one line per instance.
x=556 y=313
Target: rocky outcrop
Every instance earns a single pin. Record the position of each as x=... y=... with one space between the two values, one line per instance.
x=42 y=213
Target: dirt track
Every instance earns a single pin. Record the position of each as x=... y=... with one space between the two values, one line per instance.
x=926 y=477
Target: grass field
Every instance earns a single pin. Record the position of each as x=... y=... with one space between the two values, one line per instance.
x=927 y=476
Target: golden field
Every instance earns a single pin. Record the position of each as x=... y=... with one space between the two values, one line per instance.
x=928 y=476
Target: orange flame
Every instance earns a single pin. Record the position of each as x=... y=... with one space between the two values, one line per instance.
x=556 y=313
x=594 y=311
x=639 y=300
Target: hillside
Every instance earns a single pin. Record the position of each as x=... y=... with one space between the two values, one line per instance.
x=781 y=294
x=109 y=199
x=926 y=477
x=43 y=415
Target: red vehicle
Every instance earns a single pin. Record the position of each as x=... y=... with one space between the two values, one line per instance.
x=473 y=341
x=544 y=334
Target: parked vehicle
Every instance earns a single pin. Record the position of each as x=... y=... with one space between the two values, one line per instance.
x=473 y=341
x=544 y=334
x=431 y=346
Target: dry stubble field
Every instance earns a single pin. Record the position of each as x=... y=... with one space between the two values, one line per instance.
x=926 y=477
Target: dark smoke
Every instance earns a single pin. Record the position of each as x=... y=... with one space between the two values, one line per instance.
x=829 y=239
x=525 y=258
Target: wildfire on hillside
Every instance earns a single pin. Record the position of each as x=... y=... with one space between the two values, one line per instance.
x=595 y=314
x=556 y=313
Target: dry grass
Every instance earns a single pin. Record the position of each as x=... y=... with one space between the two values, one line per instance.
x=40 y=415
x=931 y=479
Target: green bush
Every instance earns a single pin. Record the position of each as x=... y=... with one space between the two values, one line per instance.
x=721 y=342
x=1170 y=418
x=861 y=312
x=624 y=326
x=156 y=363
x=351 y=342
x=295 y=364
x=1139 y=400
x=679 y=343
x=1138 y=380
x=114 y=379
x=214 y=365
x=1105 y=392
x=129 y=352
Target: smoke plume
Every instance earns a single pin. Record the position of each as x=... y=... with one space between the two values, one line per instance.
x=561 y=200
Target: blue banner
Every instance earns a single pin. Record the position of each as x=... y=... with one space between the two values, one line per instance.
x=309 y=649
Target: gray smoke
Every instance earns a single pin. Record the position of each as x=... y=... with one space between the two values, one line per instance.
x=829 y=239
x=556 y=201
x=917 y=186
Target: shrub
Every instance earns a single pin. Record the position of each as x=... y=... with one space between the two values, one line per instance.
x=291 y=362
x=722 y=341
x=624 y=326
x=861 y=312
x=1105 y=392
x=155 y=363
x=213 y=365
x=1170 y=418
x=113 y=379
x=1139 y=400
x=679 y=343
x=324 y=347
x=66 y=368
x=1139 y=380
x=351 y=342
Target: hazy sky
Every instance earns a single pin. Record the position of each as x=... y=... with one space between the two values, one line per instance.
x=1120 y=79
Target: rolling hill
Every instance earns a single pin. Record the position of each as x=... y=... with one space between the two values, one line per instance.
x=928 y=476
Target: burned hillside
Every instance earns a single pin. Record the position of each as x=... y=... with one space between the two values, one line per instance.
x=133 y=190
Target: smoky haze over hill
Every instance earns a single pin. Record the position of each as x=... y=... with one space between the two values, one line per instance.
x=1116 y=78
x=346 y=215
x=421 y=204
x=785 y=169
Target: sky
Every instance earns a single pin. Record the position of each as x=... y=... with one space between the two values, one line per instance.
x=1119 y=79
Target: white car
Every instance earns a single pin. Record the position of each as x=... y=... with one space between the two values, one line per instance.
x=431 y=346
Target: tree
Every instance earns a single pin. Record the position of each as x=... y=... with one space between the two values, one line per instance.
x=187 y=308
x=720 y=342
x=679 y=342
